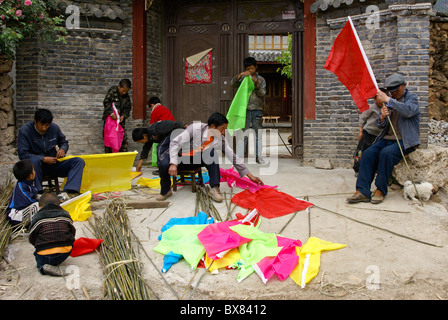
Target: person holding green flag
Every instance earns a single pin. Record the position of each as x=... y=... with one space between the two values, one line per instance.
x=248 y=102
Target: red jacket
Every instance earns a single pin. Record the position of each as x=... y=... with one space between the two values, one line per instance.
x=159 y=113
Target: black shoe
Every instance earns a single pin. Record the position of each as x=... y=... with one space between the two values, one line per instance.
x=155 y=172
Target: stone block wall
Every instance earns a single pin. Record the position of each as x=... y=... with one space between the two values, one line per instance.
x=72 y=79
x=400 y=43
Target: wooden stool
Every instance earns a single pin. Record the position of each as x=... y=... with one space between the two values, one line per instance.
x=52 y=183
x=192 y=174
x=275 y=118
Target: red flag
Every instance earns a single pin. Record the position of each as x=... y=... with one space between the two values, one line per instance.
x=84 y=245
x=349 y=62
x=270 y=203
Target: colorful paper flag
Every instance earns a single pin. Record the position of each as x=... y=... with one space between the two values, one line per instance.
x=237 y=111
x=349 y=62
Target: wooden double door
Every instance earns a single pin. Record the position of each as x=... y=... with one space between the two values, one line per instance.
x=223 y=27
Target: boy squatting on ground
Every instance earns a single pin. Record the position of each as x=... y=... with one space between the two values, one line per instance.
x=52 y=234
x=24 y=199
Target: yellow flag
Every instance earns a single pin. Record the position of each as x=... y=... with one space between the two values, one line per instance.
x=309 y=259
x=79 y=207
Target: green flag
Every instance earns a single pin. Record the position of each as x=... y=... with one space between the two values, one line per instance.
x=237 y=111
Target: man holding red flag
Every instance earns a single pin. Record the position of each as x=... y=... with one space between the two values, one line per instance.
x=381 y=158
x=399 y=117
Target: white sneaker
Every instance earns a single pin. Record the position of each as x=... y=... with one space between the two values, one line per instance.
x=63 y=196
x=216 y=195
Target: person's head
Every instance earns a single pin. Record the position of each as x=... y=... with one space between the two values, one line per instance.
x=42 y=120
x=124 y=86
x=250 y=64
x=140 y=135
x=218 y=121
x=48 y=198
x=377 y=101
x=396 y=85
x=24 y=170
x=153 y=101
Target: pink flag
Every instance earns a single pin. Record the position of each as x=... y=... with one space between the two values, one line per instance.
x=233 y=179
x=218 y=238
x=349 y=62
x=281 y=265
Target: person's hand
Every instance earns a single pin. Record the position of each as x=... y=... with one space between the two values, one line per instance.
x=384 y=113
x=121 y=118
x=360 y=134
x=243 y=74
x=172 y=170
x=60 y=154
x=113 y=116
x=255 y=179
x=382 y=97
x=255 y=81
x=50 y=160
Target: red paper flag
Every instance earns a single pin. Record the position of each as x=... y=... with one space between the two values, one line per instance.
x=84 y=245
x=270 y=203
x=349 y=62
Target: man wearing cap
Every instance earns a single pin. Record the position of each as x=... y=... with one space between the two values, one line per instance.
x=403 y=112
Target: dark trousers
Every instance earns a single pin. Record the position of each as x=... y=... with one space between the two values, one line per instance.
x=380 y=158
x=366 y=141
x=71 y=169
x=53 y=259
x=163 y=162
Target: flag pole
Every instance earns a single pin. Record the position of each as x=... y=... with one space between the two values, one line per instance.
x=388 y=118
x=404 y=158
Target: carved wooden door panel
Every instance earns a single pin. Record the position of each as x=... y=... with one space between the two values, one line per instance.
x=195 y=91
x=224 y=26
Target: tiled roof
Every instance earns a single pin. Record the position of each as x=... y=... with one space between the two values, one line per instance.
x=323 y=5
x=96 y=10
x=265 y=55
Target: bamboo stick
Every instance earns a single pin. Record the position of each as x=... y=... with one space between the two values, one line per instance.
x=122 y=268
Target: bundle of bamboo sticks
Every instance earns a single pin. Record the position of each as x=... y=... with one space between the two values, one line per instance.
x=7 y=231
x=5 y=226
x=121 y=266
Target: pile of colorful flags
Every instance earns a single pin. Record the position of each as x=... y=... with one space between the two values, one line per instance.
x=240 y=244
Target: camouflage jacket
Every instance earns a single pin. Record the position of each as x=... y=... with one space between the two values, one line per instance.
x=122 y=103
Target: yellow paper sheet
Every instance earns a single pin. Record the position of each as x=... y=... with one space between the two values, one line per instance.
x=79 y=207
x=106 y=172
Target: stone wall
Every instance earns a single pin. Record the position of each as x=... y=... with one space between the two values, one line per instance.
x=438 y=74
x=400 y=43
x=72 y=79
x=7 y=116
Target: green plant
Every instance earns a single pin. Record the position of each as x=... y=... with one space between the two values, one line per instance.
x=23 y=18
x=286 y=60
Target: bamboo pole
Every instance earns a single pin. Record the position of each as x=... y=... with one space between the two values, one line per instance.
x=122 y=268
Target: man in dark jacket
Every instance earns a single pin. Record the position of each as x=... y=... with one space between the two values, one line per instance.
x=37 y=140
x=155 y=133
x=52 y=234
x=119 y=97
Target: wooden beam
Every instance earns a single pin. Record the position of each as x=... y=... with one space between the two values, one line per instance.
x=135 y=204
x=310 y=61
x=139 y=64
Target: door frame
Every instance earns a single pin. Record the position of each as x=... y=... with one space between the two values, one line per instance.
x=235 y=39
